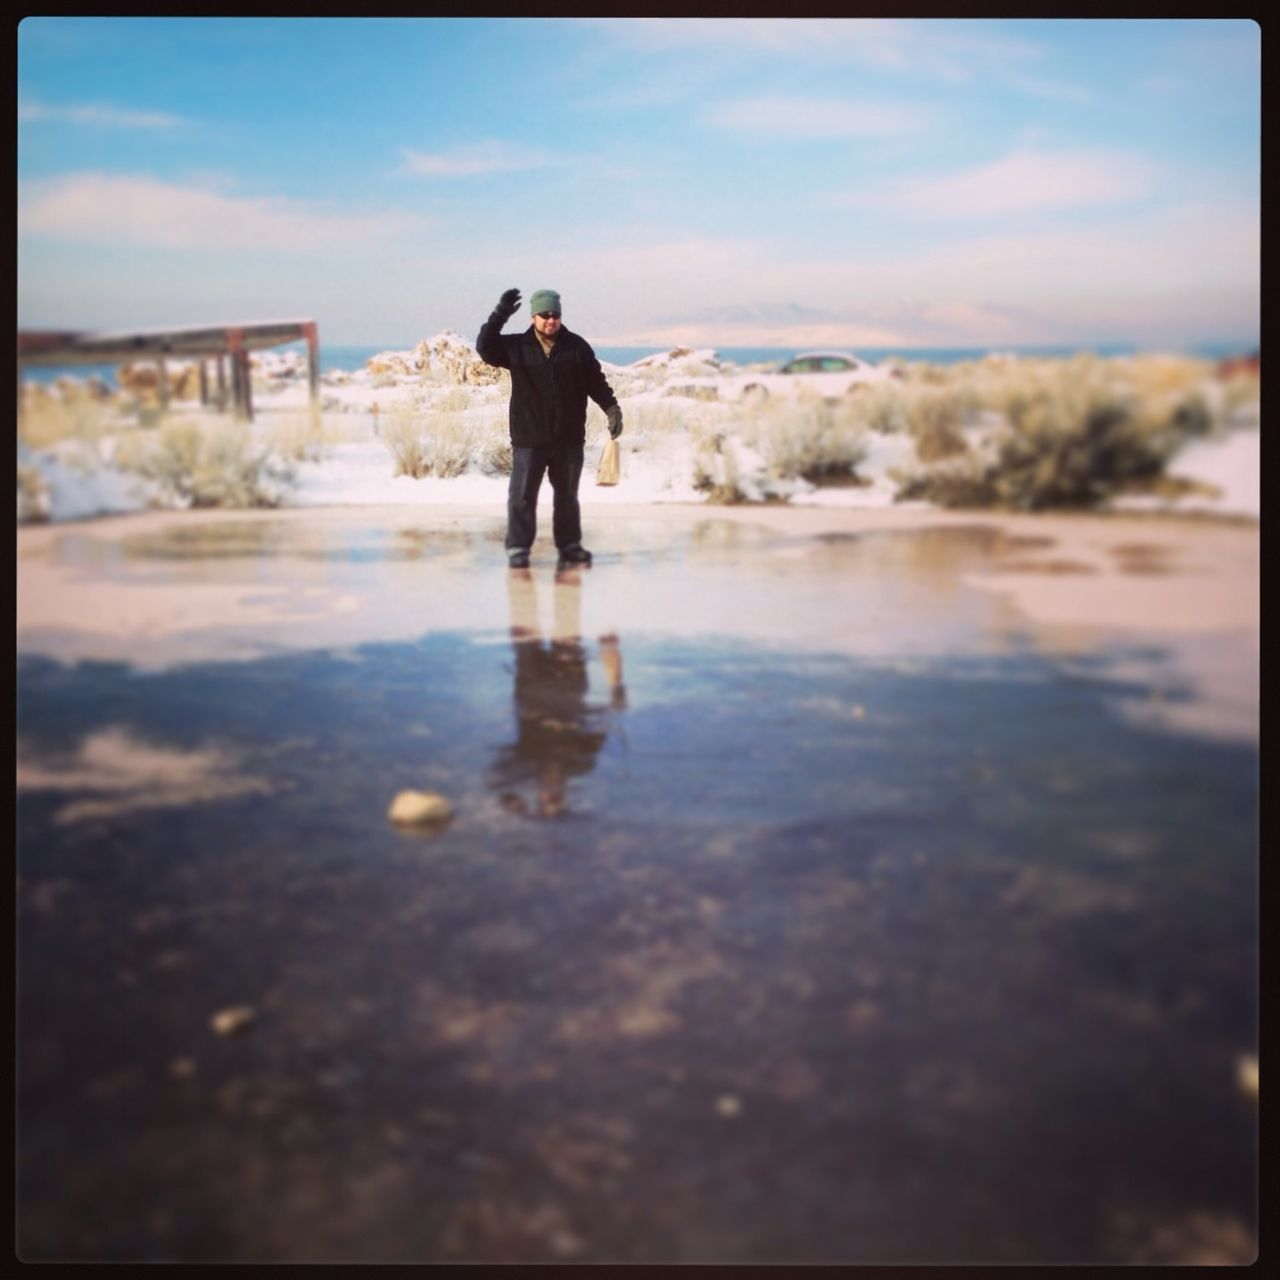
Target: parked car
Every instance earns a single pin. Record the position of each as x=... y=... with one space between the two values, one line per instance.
x=831 y=374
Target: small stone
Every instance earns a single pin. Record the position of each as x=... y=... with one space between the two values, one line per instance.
x=728 y=1105
x=412 y=807
x=182 y=1068
x=1247 y=1076
x=226 y=1022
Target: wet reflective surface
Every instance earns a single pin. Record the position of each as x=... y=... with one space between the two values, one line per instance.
x=917 y=946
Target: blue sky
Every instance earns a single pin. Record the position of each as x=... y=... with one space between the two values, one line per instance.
x=886 y=182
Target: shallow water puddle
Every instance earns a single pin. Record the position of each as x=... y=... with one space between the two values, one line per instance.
x=910 y=946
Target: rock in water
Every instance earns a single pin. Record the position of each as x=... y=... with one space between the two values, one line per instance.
x=413 y=807
x=227 y=1022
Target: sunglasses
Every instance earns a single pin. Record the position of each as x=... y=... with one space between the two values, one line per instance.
x=548 y=315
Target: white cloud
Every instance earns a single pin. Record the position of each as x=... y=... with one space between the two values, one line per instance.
x=96 y=113
x=481 y=157
x=111 y=209
x=1190 y=272
x=956 y=53
x=818 y=118
x=1022 y=182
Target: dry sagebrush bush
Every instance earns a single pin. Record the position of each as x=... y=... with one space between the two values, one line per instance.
x=935 y=419
x=212 y=464
x=814 y=450
x=882 y=407
x=427 y=443
x=1076 y=436
x=955 y=482
x=1152 y=377
x=805 y=438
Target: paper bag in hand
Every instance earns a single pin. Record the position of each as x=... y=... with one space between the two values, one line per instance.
x=610 y=463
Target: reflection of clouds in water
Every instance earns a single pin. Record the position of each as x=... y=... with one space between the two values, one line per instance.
x=1202 y=686
x=1216 y=719
x=129 y=775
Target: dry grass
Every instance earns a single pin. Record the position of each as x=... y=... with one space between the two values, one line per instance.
x=301 y=436
x=48 y=420
x=454 y=400
x=655 y=421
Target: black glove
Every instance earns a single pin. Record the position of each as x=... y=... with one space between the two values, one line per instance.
x=508 y=305
x=614 y=414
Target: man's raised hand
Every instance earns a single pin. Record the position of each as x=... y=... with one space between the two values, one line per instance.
x=508 y=304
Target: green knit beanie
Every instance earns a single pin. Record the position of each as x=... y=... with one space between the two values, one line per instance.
x=544 y=300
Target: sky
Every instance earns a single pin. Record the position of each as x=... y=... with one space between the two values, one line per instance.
x=713 y=181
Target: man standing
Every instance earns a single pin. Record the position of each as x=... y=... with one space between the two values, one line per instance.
x=553 y=372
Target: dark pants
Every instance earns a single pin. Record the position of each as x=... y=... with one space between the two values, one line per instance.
x=564 y=468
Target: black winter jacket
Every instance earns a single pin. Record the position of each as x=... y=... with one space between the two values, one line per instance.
x=548 y=394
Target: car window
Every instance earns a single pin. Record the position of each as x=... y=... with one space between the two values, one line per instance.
x=834 y=364
x=801 y=366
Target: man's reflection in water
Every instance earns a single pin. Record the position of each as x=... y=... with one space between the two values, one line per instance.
x=559 y=732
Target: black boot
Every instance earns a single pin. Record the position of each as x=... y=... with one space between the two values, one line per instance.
x=574 y=554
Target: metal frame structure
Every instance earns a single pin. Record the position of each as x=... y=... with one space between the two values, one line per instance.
x=226 y=344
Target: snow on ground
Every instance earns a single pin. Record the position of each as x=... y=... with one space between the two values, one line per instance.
x=664 y=434
x=74 y=485
x=1232 y=466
